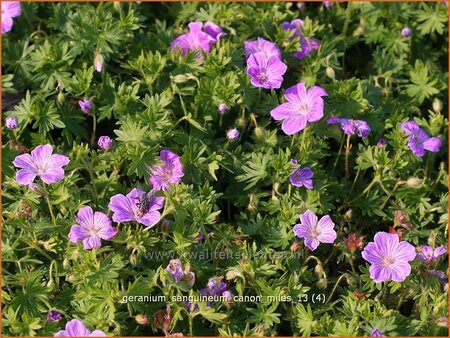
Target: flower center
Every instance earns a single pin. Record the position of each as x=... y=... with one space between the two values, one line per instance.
x=262 y=77
x=303 y=108
x=41 y=168
x=92 y=230
x=314 y=233
x=167 y=173
x=387 y=261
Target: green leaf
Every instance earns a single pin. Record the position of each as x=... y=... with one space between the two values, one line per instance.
x=423 y=87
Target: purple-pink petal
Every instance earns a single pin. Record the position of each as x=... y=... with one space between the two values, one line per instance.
x=25 y=176
x=150 y=218
x=92 y=242
x=302 y=177
x=261 y=45
x=309 y=219
x=77 y=233
x=122 y=207
x=433 y=144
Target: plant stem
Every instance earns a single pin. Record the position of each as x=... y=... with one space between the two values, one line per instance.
x=90 y=169
x=48 y=203
x=335 y=286
x=389 y=195
x=190 y=324
x=347 y=155
x=355 y=180
x=339 y=153
x=348 y=14
x=94 y=129
x=302 y=144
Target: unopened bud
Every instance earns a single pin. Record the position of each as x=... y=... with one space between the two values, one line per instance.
x=223 y=108
x=414 y=182
x=295 y=246
x=117 y=5
x=133 y=259
x=330 y=73
x=348 y=215
x=322 y=283
x=260 y=132
x=165 y=227
x=98 y=62
x=437 y=105
x=241 y=122
x=141 y=319
x=189 y=278
x=319 y=271
x=442 y=321
x=61 y=97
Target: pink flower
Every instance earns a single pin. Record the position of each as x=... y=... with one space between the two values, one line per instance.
x=389 y=257
x=261 y=45
x=170 y=172
x=315 y=232
x=40 y=163
x=303 y=106
x=302 y=177
x=91 y=228
x=430 y=255
x=137 y=206
x=197 y=39
x=76 y=328
x=265 y=72
x=10 y=10
x=419 y=141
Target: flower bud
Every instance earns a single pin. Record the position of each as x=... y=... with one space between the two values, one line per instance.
x=165 y=227
x=300 y=6
x=406 y=32
x=98 y=62
x=36 y=188
x=381 y=143
x=223 y=108
x=133 y=259
x=241 y=122
x=11 y=122
x=189 y=278
x=442 y=321
x=437 y=105
x=141 y=319
x=319 y=271
x=104 y=142
x=233 y=134
x=414 y=182
x=348 y=215
x=116 y=5
x=295 y=246
x=85 y=105
x=53 y=315
x=330 y=73
x=260 y=132
x=61 y=97
x=228 y=295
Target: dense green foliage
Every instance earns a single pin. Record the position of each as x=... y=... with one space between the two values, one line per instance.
x=236 y=193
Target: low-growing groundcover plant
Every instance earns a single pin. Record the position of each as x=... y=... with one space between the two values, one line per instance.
x=224 y=169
